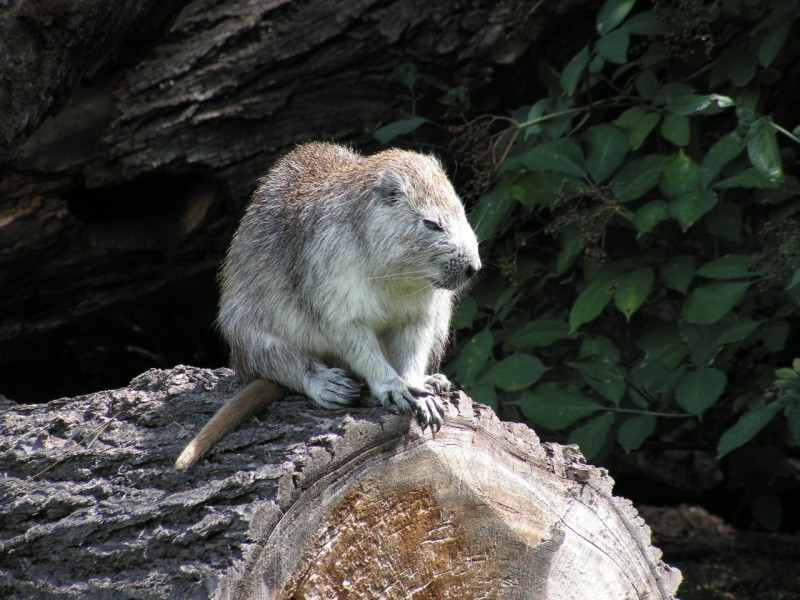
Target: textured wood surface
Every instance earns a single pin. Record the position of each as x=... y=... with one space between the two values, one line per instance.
x=303 y=502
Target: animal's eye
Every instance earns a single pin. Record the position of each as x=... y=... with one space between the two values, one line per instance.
x=432 y=225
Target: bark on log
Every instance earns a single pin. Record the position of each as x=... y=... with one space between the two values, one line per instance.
x=303 y=502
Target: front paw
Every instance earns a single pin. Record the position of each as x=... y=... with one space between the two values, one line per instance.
x=411 y=400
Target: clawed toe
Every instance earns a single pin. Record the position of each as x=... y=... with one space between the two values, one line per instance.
x=429 y=411
x=438 y=383
x=421 y=403
x=419 y=392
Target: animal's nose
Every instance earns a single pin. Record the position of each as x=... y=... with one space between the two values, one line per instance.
x=472 y=268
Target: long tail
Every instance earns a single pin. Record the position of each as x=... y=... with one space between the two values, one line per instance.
x=255 y=395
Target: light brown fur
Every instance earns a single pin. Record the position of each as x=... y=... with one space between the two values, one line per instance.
x=343 y=273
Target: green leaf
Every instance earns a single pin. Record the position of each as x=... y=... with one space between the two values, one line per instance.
x=515 y=372
x=571 y=246
x=695 y=104
x=607 y=146
x=748 y=425
x=485 y=394
x=794 y=280
x=771 y=44
x=732 y=266
x=738 y=330
x=607 y=270
x=749 y=178
x=572 y=73
x=603 y=376
x=614 y=46
x=704 y=341
x=659 y=371
x=612 y=13
x=590 y=302
x=675 y=128
x=556 y=127
x=595 y=346
x=490 y=210
x=638 y=134
x=645 y=23
x=647 y=84
x=700 y=389
x=650 y=215
x=679 y=175
x=709 y=303
x=725 y=222
x=592 y=436
x=596 y=64
x=527 y=268
x=538 y=333
x=552 y=126
x=786 y=374
x=396 y=128
x=742 y=69
x=638 y=177
x=407 y=73
x=561 y=155
x=465 y=313
x=677 y=273
x=474 y=356
x=673 y=92
x=688 y=208
x=622 y=70
x=556 y=406
x=542 y=188
x=504 y=297
x=720 y=154
x=635 y=430
x=632 y=290
x=537 y=110
x=762 y=148
x=630 y=117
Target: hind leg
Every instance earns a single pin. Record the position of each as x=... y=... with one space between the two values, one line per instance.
x=282 y=362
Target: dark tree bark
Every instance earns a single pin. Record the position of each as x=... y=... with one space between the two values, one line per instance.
x=133 y=133
x=304 y=502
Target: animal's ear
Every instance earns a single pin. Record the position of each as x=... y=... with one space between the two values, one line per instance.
x=392 y=185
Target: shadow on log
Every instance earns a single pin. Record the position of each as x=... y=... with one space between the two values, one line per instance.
x=301 y=502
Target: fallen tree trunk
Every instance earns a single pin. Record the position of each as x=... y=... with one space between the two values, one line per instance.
x=300 y=502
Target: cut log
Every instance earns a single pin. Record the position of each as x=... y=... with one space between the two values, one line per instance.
x=301 y=502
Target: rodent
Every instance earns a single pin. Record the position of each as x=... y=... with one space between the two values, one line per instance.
x=343 y=272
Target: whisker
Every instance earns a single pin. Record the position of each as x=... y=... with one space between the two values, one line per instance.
x=416 y=275
x=416 y=291
x=483 y=214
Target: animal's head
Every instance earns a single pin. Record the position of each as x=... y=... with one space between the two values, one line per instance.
x=436 y=240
